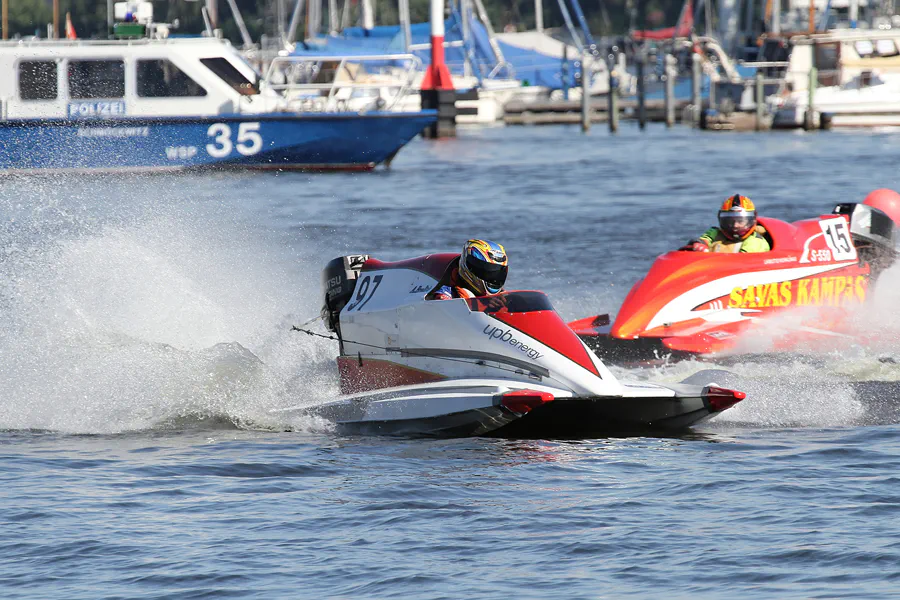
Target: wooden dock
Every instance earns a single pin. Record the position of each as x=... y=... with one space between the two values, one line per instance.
x=735 y=121
x=555 y=112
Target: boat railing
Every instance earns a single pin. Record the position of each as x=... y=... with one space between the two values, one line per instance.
x=751 y=81
x=450 y=44
x=770 y=69
x=343 y=83
x=744 y=92
x=764 y=64
x=155 y=41
x=502 y=66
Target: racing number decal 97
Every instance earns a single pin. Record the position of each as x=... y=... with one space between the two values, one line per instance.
x=363 y=295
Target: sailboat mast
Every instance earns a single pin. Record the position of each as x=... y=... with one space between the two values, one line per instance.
x=569 y=25
x=467 y=35
x=313 y=18
x=368 y=16
x=404 y=23
x=295 y=21
x=280 y=16
x=334 y=22
x=492 y=36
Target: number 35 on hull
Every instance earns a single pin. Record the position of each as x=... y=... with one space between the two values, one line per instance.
x=263 y=141
x=247 y=142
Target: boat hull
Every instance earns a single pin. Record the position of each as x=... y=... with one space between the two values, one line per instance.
x=463 y=408
x=581 y=417
x=323 y=141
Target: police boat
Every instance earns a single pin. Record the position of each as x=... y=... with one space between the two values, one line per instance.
x=147 y=100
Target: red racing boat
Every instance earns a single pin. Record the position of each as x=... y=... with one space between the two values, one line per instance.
x=795 y=298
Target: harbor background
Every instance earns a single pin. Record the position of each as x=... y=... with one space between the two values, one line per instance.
x=144 y=336
x=89 y=18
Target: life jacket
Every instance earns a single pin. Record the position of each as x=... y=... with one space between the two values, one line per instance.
x=458 y=286
x=720 y=243
x=450 y=286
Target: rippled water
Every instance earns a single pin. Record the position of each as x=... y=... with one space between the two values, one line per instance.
x=144 y=337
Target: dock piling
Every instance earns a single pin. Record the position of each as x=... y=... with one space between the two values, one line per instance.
x=809 y=121
x=437 y=91
x=760 y=99
x=613 y=96
x=641 y=64
x=585 y=93
x=642 y=108
x=444 y=101
x=670 y=89
x=696 y=101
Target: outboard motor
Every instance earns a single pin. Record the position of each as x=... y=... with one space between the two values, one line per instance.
x=874 y=234
x=338 y=281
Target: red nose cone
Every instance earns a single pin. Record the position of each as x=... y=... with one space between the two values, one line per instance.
x=720 y=398
x=887 y=201
x=524 y=401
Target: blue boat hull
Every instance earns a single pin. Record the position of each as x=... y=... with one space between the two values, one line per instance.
x=267 y=141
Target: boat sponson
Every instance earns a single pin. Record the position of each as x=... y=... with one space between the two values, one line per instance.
x=420 y=410
x=563 y=417
x=579 y=417
x=478 y=422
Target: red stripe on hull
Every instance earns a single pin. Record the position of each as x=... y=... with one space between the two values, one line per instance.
x=372 y=374
x=549 y=329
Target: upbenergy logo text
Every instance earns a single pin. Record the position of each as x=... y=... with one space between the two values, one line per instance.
x=495 y=333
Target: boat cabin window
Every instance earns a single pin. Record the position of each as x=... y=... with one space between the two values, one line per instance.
x=162 y=79
x=230 y=75
x=864 y=48
x=96 y=79
x=878 y=48
x=886 y=48
x=827 y=61
x=37 y=80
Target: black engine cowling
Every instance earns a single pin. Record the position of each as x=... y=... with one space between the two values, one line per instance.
x=874 y=234
x=338 y=282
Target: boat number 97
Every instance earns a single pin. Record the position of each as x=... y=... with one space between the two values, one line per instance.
x=363 y=295
x=837 y=236
x=247 y=143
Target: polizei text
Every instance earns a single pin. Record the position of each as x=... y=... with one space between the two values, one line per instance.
x=495 y=333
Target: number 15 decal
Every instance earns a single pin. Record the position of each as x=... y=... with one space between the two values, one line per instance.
x=837 y=236
x=363 y=295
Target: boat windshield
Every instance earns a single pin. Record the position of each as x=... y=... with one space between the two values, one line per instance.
x=511 y=302
x=228 y=73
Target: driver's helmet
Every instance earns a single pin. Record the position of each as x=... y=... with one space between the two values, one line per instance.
x=483 y=265
x=737 y=218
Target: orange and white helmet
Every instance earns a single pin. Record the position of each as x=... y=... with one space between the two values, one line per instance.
x=737 y=218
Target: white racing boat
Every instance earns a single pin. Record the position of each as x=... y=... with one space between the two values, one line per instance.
x=505 y=364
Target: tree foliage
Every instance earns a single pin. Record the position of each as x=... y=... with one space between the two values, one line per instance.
x=605 y=17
